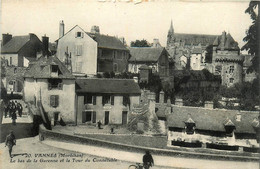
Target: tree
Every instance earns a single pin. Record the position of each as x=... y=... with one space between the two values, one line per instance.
x=140 y=43
x=252 y=36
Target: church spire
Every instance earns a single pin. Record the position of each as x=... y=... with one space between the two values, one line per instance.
x=171 y=28
x=170 y=36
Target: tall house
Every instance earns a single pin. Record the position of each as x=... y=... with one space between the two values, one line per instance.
x=78 y=51
x=226 y=60
x=47 y=80
x=91 y=52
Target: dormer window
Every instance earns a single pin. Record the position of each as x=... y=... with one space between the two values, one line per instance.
x=229 y=127
x=190 y=126
x=54 y=70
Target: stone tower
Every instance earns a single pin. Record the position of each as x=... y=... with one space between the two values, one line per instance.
x=226 y=60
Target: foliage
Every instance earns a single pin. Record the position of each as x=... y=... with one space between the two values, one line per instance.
x=195 y=95
x=246 y=93
x=140 y=43
x=209 y=53
x=252 y=36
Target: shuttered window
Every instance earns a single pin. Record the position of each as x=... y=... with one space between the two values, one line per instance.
x=78 y=50
x=112 y=100
x=54 y=100
x=94 y=100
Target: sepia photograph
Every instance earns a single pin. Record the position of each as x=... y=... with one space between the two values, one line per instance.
x=129 y=84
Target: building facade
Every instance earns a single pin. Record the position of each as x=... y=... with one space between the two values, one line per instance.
x=20 y=50
x=78 y=51
x=48 y=81
x=106 y=100
x=226 y=60
x=155 y=58
x=91 y=52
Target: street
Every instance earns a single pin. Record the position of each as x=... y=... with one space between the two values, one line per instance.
x=35 y=148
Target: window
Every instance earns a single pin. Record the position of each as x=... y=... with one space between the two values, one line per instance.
x=54 y=100
x=115 y=67
x=231 y=69
x=90 y=99
x=11 y=61
x=126 y=100
x=231 y=80
x=107 y=99
x=218 y=69
x=55 y=84
x=79 y=35
x=78 y=50
x=54 y=70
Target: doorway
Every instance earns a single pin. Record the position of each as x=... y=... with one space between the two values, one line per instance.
x=56 y=118
x=86 y=116
x=124 y=117
x=106 y=117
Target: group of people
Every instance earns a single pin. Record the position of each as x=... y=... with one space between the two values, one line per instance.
x=11 y=108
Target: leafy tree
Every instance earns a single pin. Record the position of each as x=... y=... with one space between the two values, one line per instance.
x=209 y=53
x=252 y=36
x=140 y=43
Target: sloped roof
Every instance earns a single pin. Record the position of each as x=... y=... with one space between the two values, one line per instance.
x=195 y=39
x=145 y=54
x=212 y=119
x=15 y=44
x=41 y=69
x=229 y=42
x=110 y=86
x=105 y=41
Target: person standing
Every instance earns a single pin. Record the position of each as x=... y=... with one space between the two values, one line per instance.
x=20 y=109
x=10 y=141
x=99 y=124
x=148 y=160
x=14 y=117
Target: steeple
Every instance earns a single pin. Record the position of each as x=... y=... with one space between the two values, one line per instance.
x=170 y=36
x=171 y=31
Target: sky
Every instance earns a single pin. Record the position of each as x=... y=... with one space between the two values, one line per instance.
x=146 y=20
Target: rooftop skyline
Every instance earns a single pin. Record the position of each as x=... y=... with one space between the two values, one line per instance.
x=147 y=20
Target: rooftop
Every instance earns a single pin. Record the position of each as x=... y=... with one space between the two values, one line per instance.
x=110 y=86
x=213 y=119
x=145 y=54
x=15 y=44
x=41 y=69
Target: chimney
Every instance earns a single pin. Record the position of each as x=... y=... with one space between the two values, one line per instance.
x=161 y=98
x=6 y=38
x=122 y=39
x=178 y=102
x=135 y=79
x=62 y=28
x=208 y=104
x=156 y=43
x=95 y=29
x=45 y=45
x=222 y=40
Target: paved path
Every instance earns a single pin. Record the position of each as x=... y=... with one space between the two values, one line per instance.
x=33 y=146
x=159 y=160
